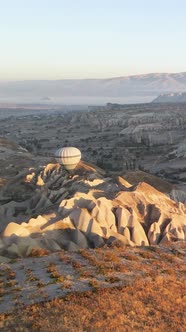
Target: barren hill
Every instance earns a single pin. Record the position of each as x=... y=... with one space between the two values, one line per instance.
x=46 y=209
x=89 y=246
x=148 y=85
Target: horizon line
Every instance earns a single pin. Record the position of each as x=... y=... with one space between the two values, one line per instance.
x=89 y=78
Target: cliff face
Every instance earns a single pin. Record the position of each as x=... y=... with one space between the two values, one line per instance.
x=54 y=211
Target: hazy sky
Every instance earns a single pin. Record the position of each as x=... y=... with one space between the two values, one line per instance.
x=53 y=39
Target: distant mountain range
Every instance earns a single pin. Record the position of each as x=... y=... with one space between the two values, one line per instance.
x=143 y=87
x=176 y=97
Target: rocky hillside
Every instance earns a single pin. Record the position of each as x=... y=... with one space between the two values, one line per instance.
x=118 y=138
x=14 y=159
x=150 y=137
x=175 y=97
x=46 y=209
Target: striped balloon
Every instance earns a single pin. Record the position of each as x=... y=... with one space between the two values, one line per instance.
x=69 y=157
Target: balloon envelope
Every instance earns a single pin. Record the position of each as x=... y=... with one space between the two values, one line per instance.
x=69 y=157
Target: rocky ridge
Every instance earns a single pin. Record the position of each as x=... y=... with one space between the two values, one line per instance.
x=47 y=209
x=134 y=85
x=174 y=97
x=14 y=160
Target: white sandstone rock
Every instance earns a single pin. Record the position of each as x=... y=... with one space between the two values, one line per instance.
x=13 y=250
x=96 y=240
x=26 y=245
x=126 y=233
x=1 y=244
x=94 y=228
x=123 y=217
x=103 y=214
x=154 y=233
x=94 y=182
x=79 y=239
x=117 y=236
x=39 y=221
x=138 y=234
x=13 y=228
x=166 y=239
x=81 y=219
x=71 y=246
x=50 y=244
x=177 y=227
x=60 y=224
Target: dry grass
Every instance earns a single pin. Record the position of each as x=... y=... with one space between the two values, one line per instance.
x=151 y=295
x=56 y=277
x=104 y=261
x=147 y=305
x=39 y=252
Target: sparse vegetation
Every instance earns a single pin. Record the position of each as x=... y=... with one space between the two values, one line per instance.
x=149 y=296
x=146 y=305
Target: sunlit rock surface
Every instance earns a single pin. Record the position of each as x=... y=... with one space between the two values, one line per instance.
x=85 y=209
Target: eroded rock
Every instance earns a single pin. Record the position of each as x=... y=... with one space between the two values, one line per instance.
x=73 y=213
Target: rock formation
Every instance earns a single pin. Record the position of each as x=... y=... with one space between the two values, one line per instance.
x=119 y=138
x=83 y=210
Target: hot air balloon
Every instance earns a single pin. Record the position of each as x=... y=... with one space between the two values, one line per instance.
x=69 y=157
